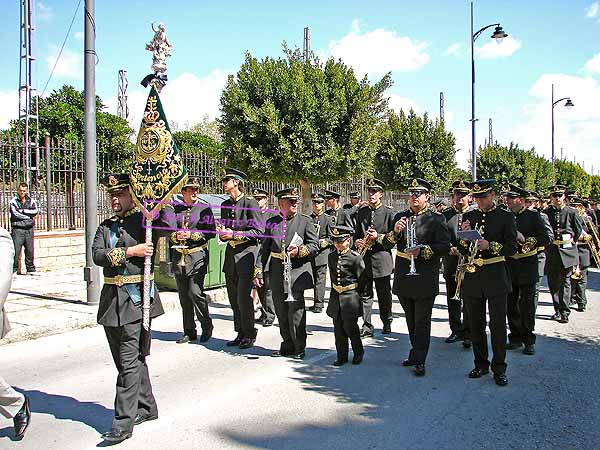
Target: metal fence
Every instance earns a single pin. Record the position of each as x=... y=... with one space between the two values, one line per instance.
x=56 y=182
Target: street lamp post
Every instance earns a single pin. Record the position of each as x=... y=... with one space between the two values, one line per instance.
x=568 y=104
x=498 y=34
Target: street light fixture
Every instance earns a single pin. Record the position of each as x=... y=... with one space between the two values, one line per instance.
x=498 y=35
x=568 y=104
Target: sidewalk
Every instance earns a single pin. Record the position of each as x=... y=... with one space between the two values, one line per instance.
x=46 y=303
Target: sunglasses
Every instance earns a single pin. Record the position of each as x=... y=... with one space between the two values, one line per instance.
x=556 y=194
x=417 y=193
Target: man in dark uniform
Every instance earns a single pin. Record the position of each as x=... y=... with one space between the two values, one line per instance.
x=345 y=269
x=580 y=275
x=373 y=222
x=561 y=254
x=353 y=207
x=523 y=267
x=194 y=226
x=487 y=279
x=119 y=247
x=241 y=228
x=422 y=238
x=459 y=329
x=264 y=292
x=334 y=209
x=291 y=241
x=323 y=223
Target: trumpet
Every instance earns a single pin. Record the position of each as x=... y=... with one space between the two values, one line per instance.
x=411 y=242
x=368 y=240
x=466 y=264
x=577 y=275
x=184 y=226
x=592 y=240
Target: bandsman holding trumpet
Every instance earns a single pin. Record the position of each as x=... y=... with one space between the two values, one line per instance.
x=486 y=278
x=323 y=223
x=373 y=222
x=421 y=237
x=523 y=266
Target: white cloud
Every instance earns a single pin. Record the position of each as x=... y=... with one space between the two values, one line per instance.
x=79 y=35
x=378 y=52
x=492 y=49
x=186 y=100
x=10 y=107
x=593 y=65
x=45 y=13
x=453 y=50
x=398 y=102
x=70 y=64
x=592 y=11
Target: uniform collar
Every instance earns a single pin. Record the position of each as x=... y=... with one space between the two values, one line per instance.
x=418 y=213
x=291 y=217
x=488 y=210
x=521 y=211
x=379 y=205
x=235 y=200
x=343 y=252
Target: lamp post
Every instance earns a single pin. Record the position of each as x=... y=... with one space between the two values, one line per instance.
x=568 y=104
x=498 y=34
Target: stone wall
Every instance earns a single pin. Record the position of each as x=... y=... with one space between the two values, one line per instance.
x=57 y=249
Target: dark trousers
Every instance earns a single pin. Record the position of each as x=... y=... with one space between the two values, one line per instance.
x=578 y=288
x=455 y=309
x=343 y=331
x=384 y=298
x=319 y=275
x=23 y=238
x=497 y=306
x=239 y=291
x=134 y=391
x=193 y=299
x=417 y=312
x=266 y=298
x=292 y=323
x=521 y=306
x=559 y=283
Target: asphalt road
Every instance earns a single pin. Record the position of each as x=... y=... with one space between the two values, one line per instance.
x=211 y=397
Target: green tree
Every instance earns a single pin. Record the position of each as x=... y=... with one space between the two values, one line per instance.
x=573 y=176
x=294 y=120
x=595 y=187
x=202 y=156
x=415 y=146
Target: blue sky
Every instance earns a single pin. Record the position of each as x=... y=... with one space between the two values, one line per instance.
x=424 y=44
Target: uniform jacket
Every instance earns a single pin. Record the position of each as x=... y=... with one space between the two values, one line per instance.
x=340 y=216
x=434 y=238
x=116 y=308
x=583 y=248
x=199 y=220
x=531 y=225
x=351 y=212
x=454 y=220
x=345 y=269
x=241 y=215
x=323 y=224
x=500 y=230
x=7 y=253
x=266 y=258
x=563 y=220
x=378 y=260
x=301 y=273
x=542 y=252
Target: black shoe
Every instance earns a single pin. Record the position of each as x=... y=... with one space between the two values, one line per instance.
x=581 y=308
x=529 y=349
x=340 y=362
x=206 y=334
x=408 y=363
x=419 y=370
x=387 y=328
x=267 y=323
x=563 y=319
x=452 y=338
x=466 y=343
x=235 y=342
x=478 y=373
x=555 y=316
x=116 y=435
x=366 y=333
x=357 y=358
x=316 y=309
x=299 y=356
x=141 y=418
x=184 y=339
x=22 y=419
x=501 y=379
x=280 y=354
x=513 y=345
x=246 y=343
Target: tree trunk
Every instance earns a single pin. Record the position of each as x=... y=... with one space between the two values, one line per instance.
x=306 y=207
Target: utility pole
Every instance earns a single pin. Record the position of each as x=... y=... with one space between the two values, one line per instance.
x=441 y=106
x=491 y=133
x=122 y=108
x=306 y=46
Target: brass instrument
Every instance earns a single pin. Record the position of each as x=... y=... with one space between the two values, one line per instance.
x=411 y=242
x=182 y=242
x=593 y=241
x=577 y=275
x=368 y=240
x=466 y=264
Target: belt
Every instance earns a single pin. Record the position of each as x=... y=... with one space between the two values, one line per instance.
x=525 y=255
x=541 y=249
x=189 y=251
x=559 y=242
x=120 y=280
x=484 y=262
x=403 y=255
x=234 y=243
x=278 y=255
x=339 y=289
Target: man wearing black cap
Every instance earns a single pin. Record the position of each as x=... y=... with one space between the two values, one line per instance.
x=241 y=228
x=486 y=279
x=422 y=238
x=194 y=226
x=373 y=222
x=323 y=223
x=291 y=240
x=345 y=269
x=334 y=209
x=523 y=267
x=459 y=329
x=584 y=252
x=119 y=247
x=561 y=254
x=353 y=207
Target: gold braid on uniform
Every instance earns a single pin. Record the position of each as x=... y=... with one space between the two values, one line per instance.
x=464 y=243
x=426 y=252
x=116 y=256
x=238 y=236
x=380 y=237
x=531 y=241
x=324 y=243
x=391 y=237
x=173 y=238
x=196 y=236
x=495 y=248
x=257 y=272
x=303 y=251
